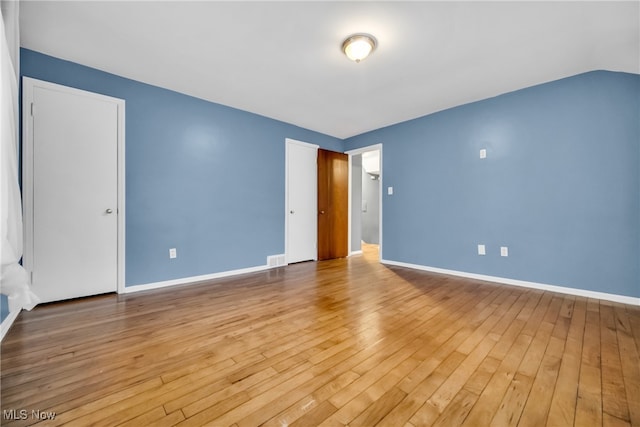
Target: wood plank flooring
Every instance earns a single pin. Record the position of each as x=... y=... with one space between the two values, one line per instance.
x=340 y=342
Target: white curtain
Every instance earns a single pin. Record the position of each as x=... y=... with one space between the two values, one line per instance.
x=10 y=17
x=13 y=278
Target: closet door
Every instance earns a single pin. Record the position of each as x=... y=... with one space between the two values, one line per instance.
x=301 y=198
x=71 y=191
x=333 y=204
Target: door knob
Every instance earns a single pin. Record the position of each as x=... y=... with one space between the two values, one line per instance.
x=322 y=212
x=292 y=212
x=109 y=211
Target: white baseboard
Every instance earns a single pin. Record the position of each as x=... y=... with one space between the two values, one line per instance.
x=352 y=253
x=552 y=288
x=194 y=279
x=7 y=322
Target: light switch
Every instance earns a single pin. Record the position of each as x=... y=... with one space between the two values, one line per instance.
x=481 y=250
x=390 y=191
x=504 y=251
x=483 y=153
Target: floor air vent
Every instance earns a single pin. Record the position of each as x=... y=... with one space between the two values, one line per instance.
x=275 y=260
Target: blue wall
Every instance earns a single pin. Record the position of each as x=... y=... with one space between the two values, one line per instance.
x=206 y=179
x=560 y=185
x=4 y=307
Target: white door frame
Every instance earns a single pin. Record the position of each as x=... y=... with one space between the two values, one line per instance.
x=289 y=141
x=351 y=153
x=28 y=86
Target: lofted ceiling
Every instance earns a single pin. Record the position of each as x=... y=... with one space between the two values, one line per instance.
x=283 y=59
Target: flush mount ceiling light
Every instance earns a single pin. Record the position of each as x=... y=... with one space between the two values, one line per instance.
x=358 y=46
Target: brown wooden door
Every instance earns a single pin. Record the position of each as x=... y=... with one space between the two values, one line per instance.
x=333 y=204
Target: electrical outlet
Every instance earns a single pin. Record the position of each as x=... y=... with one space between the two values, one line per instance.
x=483 y=153
x=173 y=253
x=504 y=251
x=481 y=250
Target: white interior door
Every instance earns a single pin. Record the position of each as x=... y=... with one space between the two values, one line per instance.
x=73 y=165
x=302 y=201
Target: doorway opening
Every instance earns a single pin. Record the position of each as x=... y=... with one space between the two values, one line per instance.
x=365 y=200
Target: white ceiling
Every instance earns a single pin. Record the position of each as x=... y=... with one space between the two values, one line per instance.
x=283 y=59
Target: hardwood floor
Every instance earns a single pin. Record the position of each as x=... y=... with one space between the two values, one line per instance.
x=339 y=342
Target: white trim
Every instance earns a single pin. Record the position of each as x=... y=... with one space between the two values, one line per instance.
x=349 y=204
x=522 y=283
x=27 y=172
x=302 y=143
x=351 y=153
x=288 y=142
x=7 y=322
x=352 y=253
x=28 y=85
x=121 y=196
x=366 y=149
x=195 y=279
